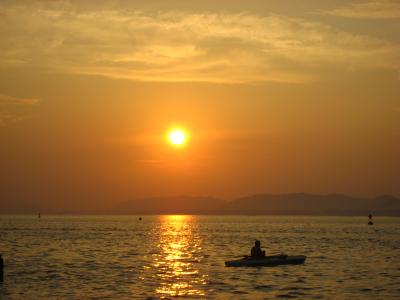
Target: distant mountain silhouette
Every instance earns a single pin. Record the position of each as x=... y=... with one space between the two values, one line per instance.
x=266 y=204
x=262 y=204
x=310 y=204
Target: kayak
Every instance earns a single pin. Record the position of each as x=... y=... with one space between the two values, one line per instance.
x=268 y=261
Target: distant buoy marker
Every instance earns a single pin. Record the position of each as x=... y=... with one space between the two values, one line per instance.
x=370 y=220
x=140 y=218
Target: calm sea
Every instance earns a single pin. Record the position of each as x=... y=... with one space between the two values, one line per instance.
x=121 y=257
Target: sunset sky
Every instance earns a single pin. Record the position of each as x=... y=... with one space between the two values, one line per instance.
x=273 y=96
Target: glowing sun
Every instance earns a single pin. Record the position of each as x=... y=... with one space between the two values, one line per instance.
x=177 y=137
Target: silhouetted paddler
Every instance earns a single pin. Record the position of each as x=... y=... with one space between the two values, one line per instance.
x=256 y=251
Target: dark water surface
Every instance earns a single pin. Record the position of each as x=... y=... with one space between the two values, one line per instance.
x=120 y=257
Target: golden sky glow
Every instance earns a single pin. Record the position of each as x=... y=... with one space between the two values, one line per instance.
x=273 y=96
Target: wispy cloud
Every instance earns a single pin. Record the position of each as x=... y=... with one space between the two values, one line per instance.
x=150 y=161
x=384 y=9
x=6 y=99
x=8 y=118
x=182 y=46
x=11 y=109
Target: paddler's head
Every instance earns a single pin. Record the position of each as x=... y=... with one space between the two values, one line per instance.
x=258 y=243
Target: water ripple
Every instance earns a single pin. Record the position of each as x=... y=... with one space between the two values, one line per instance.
x=163 y=257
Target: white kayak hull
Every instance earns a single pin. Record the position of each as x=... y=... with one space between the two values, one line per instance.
x=267 y=261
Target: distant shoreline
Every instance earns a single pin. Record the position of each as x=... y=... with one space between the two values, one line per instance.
x=296 y=204
x=73 y=214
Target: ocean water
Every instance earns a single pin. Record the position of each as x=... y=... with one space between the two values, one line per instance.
x=162 y=257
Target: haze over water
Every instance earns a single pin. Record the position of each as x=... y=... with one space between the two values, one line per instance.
x=120 y=257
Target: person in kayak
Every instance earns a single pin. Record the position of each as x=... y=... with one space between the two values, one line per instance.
x=256 y=251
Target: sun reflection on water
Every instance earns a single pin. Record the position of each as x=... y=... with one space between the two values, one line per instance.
x=180 y=249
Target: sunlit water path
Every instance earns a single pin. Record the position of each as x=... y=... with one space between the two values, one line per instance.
x=78 y=257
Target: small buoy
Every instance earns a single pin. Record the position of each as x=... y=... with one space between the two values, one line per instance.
x=140 y=218
x=370 y=219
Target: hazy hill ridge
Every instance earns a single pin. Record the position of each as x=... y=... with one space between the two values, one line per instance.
x=279 y=204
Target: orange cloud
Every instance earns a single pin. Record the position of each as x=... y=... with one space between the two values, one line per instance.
x=177 y=46
x=384 y=9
